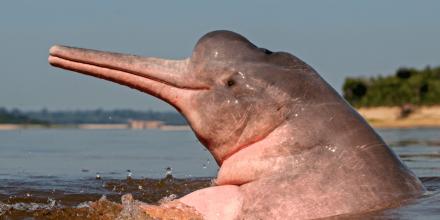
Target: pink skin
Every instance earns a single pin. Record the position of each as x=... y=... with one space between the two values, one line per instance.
x=288 y=146
x=104 y=65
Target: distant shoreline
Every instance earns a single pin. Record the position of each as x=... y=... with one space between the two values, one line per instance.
x=4 y=127
x=378 y=117
x=390 y=117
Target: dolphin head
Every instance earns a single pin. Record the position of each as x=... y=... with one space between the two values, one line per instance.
x=231 y=92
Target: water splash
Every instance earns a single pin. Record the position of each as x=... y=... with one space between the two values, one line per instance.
x=131 y=209
x=168 y=198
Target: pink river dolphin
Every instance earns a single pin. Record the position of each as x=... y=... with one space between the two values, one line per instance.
x=288 y=145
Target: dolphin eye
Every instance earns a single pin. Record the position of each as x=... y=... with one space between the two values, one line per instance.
x=230 y=83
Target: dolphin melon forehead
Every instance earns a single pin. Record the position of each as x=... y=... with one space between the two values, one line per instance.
x=223 y=45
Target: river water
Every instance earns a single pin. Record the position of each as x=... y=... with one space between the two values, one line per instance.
x=54 y=173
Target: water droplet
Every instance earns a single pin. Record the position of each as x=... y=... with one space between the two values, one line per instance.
x=51 y=202
x=250 y=87
x=330 y=148
x=214 y=182
x=103 y=198
x=242 y=75
x=168 y=172
x=168 y=198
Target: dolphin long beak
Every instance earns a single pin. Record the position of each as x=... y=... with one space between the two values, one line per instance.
x=165 y=79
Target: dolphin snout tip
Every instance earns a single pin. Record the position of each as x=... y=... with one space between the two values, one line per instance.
x=51 y=60
x=54 y=49
x=54 y=53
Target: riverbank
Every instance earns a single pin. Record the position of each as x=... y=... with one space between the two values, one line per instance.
x=391 y=117
x=378 y=117
x=20 y=126
x=89 y=126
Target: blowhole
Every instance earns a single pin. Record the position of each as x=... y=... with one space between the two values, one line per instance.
x=266 y=51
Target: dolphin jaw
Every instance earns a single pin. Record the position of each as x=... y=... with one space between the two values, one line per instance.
x=62 y=52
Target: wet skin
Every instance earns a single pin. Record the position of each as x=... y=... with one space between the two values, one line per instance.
x=288 y=146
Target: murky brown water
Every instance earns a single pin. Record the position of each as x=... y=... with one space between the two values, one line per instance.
x=43 y=177
x=105 y=203
x=64 y=205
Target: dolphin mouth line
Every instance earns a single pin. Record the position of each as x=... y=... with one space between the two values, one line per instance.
x=251 y=143
x=103 y=66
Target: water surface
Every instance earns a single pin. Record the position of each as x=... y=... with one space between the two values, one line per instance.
x=43 y=171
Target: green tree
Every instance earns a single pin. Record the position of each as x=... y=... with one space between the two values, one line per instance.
x=406 y=86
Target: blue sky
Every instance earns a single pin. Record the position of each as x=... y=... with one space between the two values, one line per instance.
x=338 y=38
